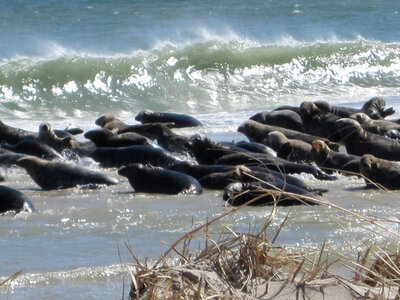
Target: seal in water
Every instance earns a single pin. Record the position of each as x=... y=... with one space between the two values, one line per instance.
x=179 y=120
x=109 y=121
x=265 y=193
x=57 y=175
x=157 y=180
x=12 y=200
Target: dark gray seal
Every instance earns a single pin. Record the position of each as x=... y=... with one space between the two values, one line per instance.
x=375 y=108
x=292 y=150
x=57 y=175
x=380 y=172
x=283 y=118
x=179 y=120
x=12 y=135
x=35 y=148
x=257 y=132
x=157 y=180
x=103 y=137
x=265 y=193
x=124 y=156
x=358 y=141
x=12 y=200
x=109 y=121
x=382 y=127
x=47 y=136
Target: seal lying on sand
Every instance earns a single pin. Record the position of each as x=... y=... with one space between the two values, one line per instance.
x=13 y=200
x=330 y=160
x=264 y=193
x=158 y=180
x=179 y=120
x=56 y=175
x=380 y=172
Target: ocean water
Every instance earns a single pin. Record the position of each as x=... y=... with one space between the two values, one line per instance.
x=67 y=62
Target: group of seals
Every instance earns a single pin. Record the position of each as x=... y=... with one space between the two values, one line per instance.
x=155 y=159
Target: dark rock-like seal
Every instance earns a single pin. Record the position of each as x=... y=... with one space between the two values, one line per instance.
x=57 y=175
x=359 y=141
x=382 y=127
x=169 y=140
x=157 y=180
x=374 y=108
x=12 y=135
x=292 y=150
x=255 y=147
x=257 y=132
x=331 y=161
x=283 y=118
x=109 y=121
x=380 y=172
x=12 y=200
x=179 y=120
x=264 y=193
x=273 y=163
x=124 y=156
x=35 y=148
x=103 y=137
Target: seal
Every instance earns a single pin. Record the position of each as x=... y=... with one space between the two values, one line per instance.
x=34 y=147
x=51 y=175
x=219 y=180
x=179 y=120
x=255 y=147
x=12 y=135
x=380 y=172
x=169 y=140
x=47 y=136
x=374 y=108
x=14 y=201
x=124 y=156
x=359 y=141
x=292 y=150
x=285 y=118
x=157 y=180
x=383 y=127
x=264 y=193
x=109 y=121
x=257 y=132
x=103 y=137
x=273 y=163
x=318 y=122
x=331 y=161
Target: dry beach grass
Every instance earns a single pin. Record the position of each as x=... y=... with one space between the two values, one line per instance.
x=250 y=265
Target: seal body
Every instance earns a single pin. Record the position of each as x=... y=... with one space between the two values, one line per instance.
x=380 y=172
x=124 y=156
x=179 y=120
x=158 y=180
x=264 y=193
x=35 y=148
x=57 y=175
x=104 y=137
x=283 y=118
x=330 y=160
x=13 y=200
